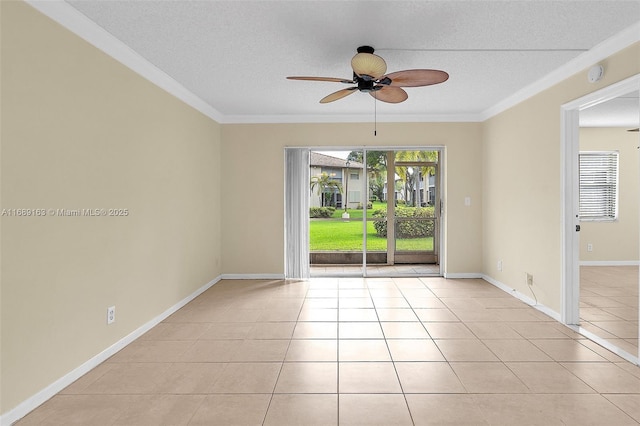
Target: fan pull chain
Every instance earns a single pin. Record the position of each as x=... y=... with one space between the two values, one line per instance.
x=375 y=114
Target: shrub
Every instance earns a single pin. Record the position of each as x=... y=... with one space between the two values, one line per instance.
x=321 y=212
x=380 y=225
x=410 y=228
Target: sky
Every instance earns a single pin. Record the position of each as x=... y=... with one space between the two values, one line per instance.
x=337 y=154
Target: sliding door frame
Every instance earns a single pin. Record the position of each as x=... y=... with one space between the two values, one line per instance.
x=365 y=190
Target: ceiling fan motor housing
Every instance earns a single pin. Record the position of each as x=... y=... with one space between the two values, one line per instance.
x=366 y=84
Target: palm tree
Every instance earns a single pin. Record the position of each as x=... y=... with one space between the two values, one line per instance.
x=376 y=184
x=325 y=186
x=411 y=176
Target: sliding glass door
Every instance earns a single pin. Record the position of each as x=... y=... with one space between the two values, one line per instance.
x=336 y=212
x=374 y=212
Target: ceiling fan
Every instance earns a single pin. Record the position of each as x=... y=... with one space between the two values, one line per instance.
x=369 y=77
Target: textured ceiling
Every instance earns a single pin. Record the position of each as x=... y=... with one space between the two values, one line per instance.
x=235 y=55
x=623 y=111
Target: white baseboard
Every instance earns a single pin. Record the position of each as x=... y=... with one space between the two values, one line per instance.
x=605 y=344
x=252 y=276
x=45 y=394
x=609 y=263
x=462 y=275
x=523 y=297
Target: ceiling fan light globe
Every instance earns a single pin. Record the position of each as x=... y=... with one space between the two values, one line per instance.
x=369 y=64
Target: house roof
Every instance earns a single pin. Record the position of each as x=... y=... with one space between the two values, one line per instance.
x=322 y=160
x=230 y=59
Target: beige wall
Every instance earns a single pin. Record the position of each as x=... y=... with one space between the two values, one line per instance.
x=521 y=183
x=254 y=221
x=614 y=241
x=80 y=130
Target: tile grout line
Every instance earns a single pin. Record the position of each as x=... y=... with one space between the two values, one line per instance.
x=432 y=339
x=404 y=396
x=338 y=352
x=275 y=384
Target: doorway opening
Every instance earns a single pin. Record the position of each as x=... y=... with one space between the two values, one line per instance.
x=375 y=212
x=595 y=263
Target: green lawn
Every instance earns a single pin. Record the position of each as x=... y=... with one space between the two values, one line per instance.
x=338 y=235
x=357 y=214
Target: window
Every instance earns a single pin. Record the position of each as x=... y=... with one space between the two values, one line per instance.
x=354 y=176
x=599 y=186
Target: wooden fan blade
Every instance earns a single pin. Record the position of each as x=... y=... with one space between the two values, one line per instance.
x=393 y=95
x=338 y=95
x=417 y=78
x=634 y=130
x=333 y=79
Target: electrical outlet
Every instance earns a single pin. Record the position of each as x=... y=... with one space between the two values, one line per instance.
x=589 y=247
x=111 y=314
x=499 y=265
x=529 y=280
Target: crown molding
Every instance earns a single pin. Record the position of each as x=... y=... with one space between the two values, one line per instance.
x=601 y=51
x=351 y=118
x=76 y=22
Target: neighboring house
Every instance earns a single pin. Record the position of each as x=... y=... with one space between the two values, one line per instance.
x=350 y=177
x=336 y=169
x=427 y=199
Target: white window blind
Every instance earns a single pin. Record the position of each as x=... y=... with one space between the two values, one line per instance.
x=599 y=186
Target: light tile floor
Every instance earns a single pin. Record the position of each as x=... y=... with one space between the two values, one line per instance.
x=403 y=351
x=609 y=304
